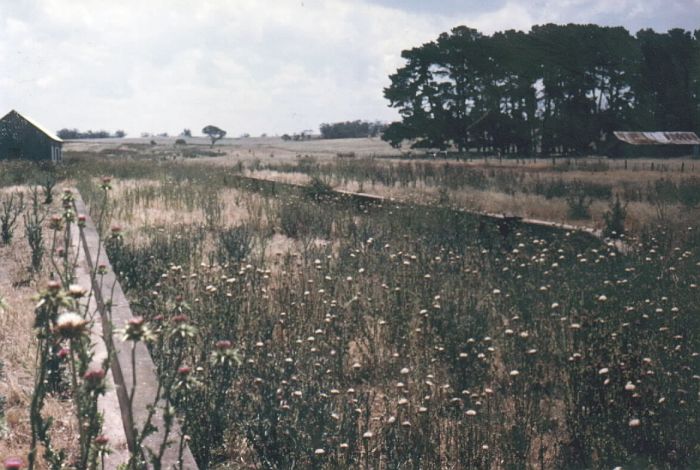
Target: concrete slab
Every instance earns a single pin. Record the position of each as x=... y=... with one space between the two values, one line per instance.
x=114 y=313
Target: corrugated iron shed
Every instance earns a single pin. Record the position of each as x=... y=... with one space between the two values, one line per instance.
x=24 y=138
x=31 y=121
x=658 y=138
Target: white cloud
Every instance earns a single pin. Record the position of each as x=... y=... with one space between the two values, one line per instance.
x=247 y=66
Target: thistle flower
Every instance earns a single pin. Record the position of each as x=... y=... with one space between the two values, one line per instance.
x=77 y=291
x=137 y=330
x=53 y=287
x=70 y=325
x=106 y=183
x=93 y=378
x=55 y=222
x=13 y=463
x=116 y=232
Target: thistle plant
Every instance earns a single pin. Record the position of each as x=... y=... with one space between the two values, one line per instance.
x=65 y=350
x=172 y=378
x=47 y=187
x=403 y=336
x=33 y=221
x=11 y=207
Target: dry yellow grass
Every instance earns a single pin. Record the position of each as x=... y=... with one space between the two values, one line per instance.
x=238 y=208
x=640 y=213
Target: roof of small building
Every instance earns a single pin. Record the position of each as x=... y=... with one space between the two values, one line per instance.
x=658 y=138
x=45 y=131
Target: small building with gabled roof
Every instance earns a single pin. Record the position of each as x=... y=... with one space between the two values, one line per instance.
x=656 y=144
x=23 y=138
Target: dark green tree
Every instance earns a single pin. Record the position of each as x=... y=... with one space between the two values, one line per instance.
x=214 y=133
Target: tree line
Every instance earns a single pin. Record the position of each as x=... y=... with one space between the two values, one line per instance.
x=76 y=134
x=557 y=89
x=351 y=129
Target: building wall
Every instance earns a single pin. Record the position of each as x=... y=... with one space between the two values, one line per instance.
x=622 y=149
x=19 y=139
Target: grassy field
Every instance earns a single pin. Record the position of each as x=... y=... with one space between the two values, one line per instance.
x=575 y=191
x=321 y=332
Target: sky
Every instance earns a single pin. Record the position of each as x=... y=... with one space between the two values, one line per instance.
x=246 y=66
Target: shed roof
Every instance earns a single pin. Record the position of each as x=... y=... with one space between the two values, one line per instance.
x=658 y=138
x=41 y=128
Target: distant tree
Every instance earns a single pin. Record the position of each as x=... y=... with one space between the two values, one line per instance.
x=351 y=129
x=68 y=133
x=90 y=134
x=186 y=133
x=286 y=137
x=214 y=133
x=120 y=134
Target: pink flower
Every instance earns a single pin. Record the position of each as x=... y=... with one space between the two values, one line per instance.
x=94 y=377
